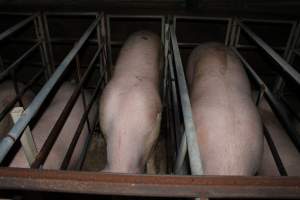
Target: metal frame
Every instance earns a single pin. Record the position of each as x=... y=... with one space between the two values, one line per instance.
x=33 y=108
x=174 y=93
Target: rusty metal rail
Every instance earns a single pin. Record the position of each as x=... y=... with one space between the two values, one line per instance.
x=144 y=185
x=139 y=185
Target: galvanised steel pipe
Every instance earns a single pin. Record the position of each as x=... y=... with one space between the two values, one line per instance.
x=7 y=142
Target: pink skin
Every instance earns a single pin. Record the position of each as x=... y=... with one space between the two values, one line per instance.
x=47 y=121
x=289 y=155
x=228 y=125
x=130 y=105
x=7 y=94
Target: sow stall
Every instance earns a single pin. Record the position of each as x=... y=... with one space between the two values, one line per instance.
x=36 y=51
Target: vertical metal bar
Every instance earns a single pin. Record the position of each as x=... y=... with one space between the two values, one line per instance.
x=228 y=31
x=109 y=46
x=291 y=56
x=48 y=41
x=82 y=90
x=16 y=87
x=290 y=39
x=40 y=32
x=193 y=149
x=233 y=32
x=27 y=141
x=7 y=142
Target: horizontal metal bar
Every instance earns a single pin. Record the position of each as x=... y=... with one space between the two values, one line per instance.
x=203 y=18
x=7 y=142
x=245 y=46
x=15 y=13
x=71 y=13
x=147 y=185
x=18 y=61
x=274 y=103
x=136 y=16
x=276 y=21
x=16 y=27
x=190 y=131
x=282 y=63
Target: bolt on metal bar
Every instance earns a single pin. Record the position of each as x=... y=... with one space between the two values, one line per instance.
x=16 y=27
x=282 y=63
x=80 y=126
x=18 y=61
x=193 y=149
x=7 y=142
x=274 y=103
x=52 y=137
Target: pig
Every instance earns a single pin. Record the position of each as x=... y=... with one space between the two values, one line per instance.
x=228 y=125
x=7 y=94
x=130 y=105
x=289 y=154
x=43 y=127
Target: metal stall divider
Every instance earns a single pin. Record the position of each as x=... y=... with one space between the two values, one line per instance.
x=10 y=71
x=137 y=185
x=183 y=144
x=190 y=132
x=32 y=109
x=289 y=70
x=275 y=104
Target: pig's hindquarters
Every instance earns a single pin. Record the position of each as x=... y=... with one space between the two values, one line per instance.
x=227 y=122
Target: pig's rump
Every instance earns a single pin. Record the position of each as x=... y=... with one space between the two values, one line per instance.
x=227 y=122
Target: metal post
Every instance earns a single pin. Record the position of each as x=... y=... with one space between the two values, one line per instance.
x=193 y=149
x=7 y=142
x=48 y=41
x=27 y=141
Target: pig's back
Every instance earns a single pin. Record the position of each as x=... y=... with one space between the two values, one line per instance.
x=227 y=122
